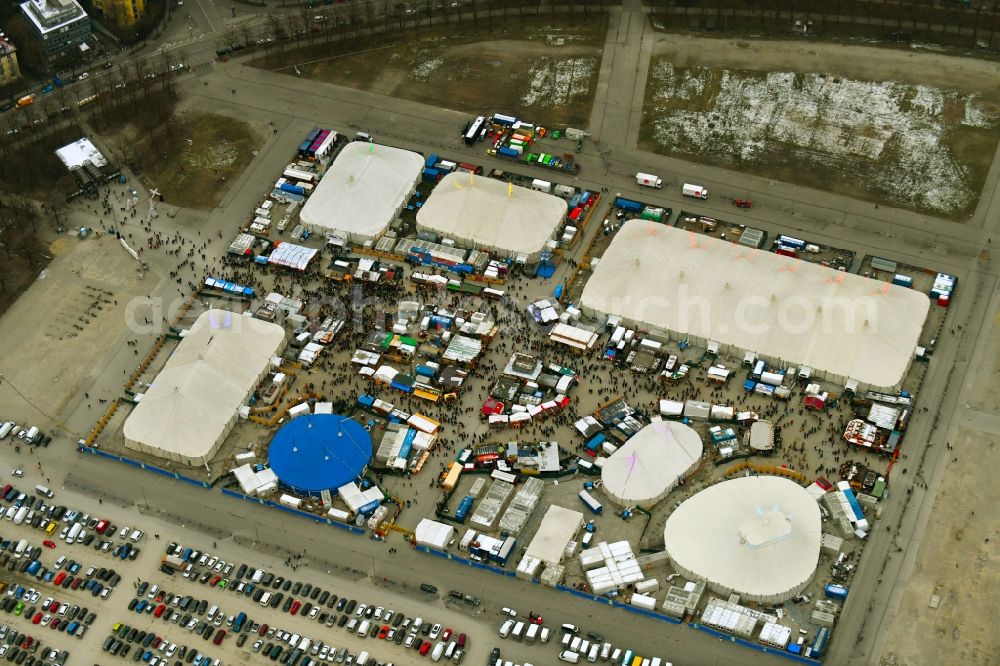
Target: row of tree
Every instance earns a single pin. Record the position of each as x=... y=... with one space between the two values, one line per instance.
x=972 y=24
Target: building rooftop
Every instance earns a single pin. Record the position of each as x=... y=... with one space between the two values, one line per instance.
x=50 y=15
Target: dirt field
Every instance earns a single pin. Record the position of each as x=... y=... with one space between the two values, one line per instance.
x=68 y=313
x=544 y=73
x=865 y=129
x=958 y=561
x=194 y=155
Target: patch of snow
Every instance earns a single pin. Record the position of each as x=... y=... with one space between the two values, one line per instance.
x=424 y=69
x=888 y=132
x=557 y=82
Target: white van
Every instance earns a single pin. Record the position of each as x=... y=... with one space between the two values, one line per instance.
x=531 y=634
x=42 y=490
x=450 y=650
x=73 y=532
x=33 y=435
x=265 y=598
x=6 y=428
x=211 y=613
x=363 y=628
x=257 y=575
x=571 y=628
x=595 y=649
x=19 y=516
x=362 y=659
x=437 y=651
x=293 y=640
x=518 y=630
x=569 y=657
x=575 y=644
x=505 y=628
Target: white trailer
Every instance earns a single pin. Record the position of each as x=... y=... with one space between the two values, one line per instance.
x=696 y=191
x=649 y=180
x=541 y=185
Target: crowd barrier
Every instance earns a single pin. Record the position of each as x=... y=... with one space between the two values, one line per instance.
x=778 y=652
x=145 y=466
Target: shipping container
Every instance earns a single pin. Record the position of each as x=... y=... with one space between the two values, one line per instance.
x=591 y=503
x=838 y=592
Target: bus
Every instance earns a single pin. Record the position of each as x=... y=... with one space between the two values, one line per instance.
x=25 y=101
x=472 y=134
x=86 y=100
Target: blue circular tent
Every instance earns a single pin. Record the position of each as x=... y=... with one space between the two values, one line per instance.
x=317 y=452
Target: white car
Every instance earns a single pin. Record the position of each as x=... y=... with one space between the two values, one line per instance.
x=123 y=532
x=17 y=472
x=508 y=611
x=435 y=631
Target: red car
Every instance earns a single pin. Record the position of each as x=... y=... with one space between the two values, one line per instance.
x=28 y=642
x=383 y=631
x=49 y=544
x=53 y=607
x=295 y=607
x=37 y=619
x=54 y=623
x=60 y=577
x=102 y=526
x=446 y=634
x=262 y=630
x=76 y=583
x=215 y=581
x=534 y=619
x=159 y=610
x=425 y=648
x=219 y=635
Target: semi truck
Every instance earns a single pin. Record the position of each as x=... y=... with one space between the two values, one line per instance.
x=649 y=180
x=696 y=191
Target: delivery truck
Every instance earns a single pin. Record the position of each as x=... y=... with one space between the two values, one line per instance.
x=696 y=191
x=648 y=180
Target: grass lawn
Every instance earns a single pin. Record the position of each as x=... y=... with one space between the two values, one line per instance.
x=194 y=156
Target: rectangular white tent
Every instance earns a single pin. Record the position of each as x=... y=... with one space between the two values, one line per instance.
x=192 y=404
x=705 y=289
x=433 y=534
x=363 y=191
x=558 y=527
x=484 y=213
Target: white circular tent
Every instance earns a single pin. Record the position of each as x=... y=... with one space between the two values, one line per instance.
x=651 y=463
x=756 y=536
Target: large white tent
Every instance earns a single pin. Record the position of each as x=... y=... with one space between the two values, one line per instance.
x=485 y=213
x=651 y=463
x=363 y=191
x=192 y=404
x=756 y=536
x=842 y=325
x=558 y=527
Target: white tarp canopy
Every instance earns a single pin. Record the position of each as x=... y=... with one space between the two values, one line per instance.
x=702 y=288
x=558 y=527
x=433 y=534
x=480 y=213
x=192 y=404
x=756 y=536
x=363 y=191
x=651 y=463
x=291 y=255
